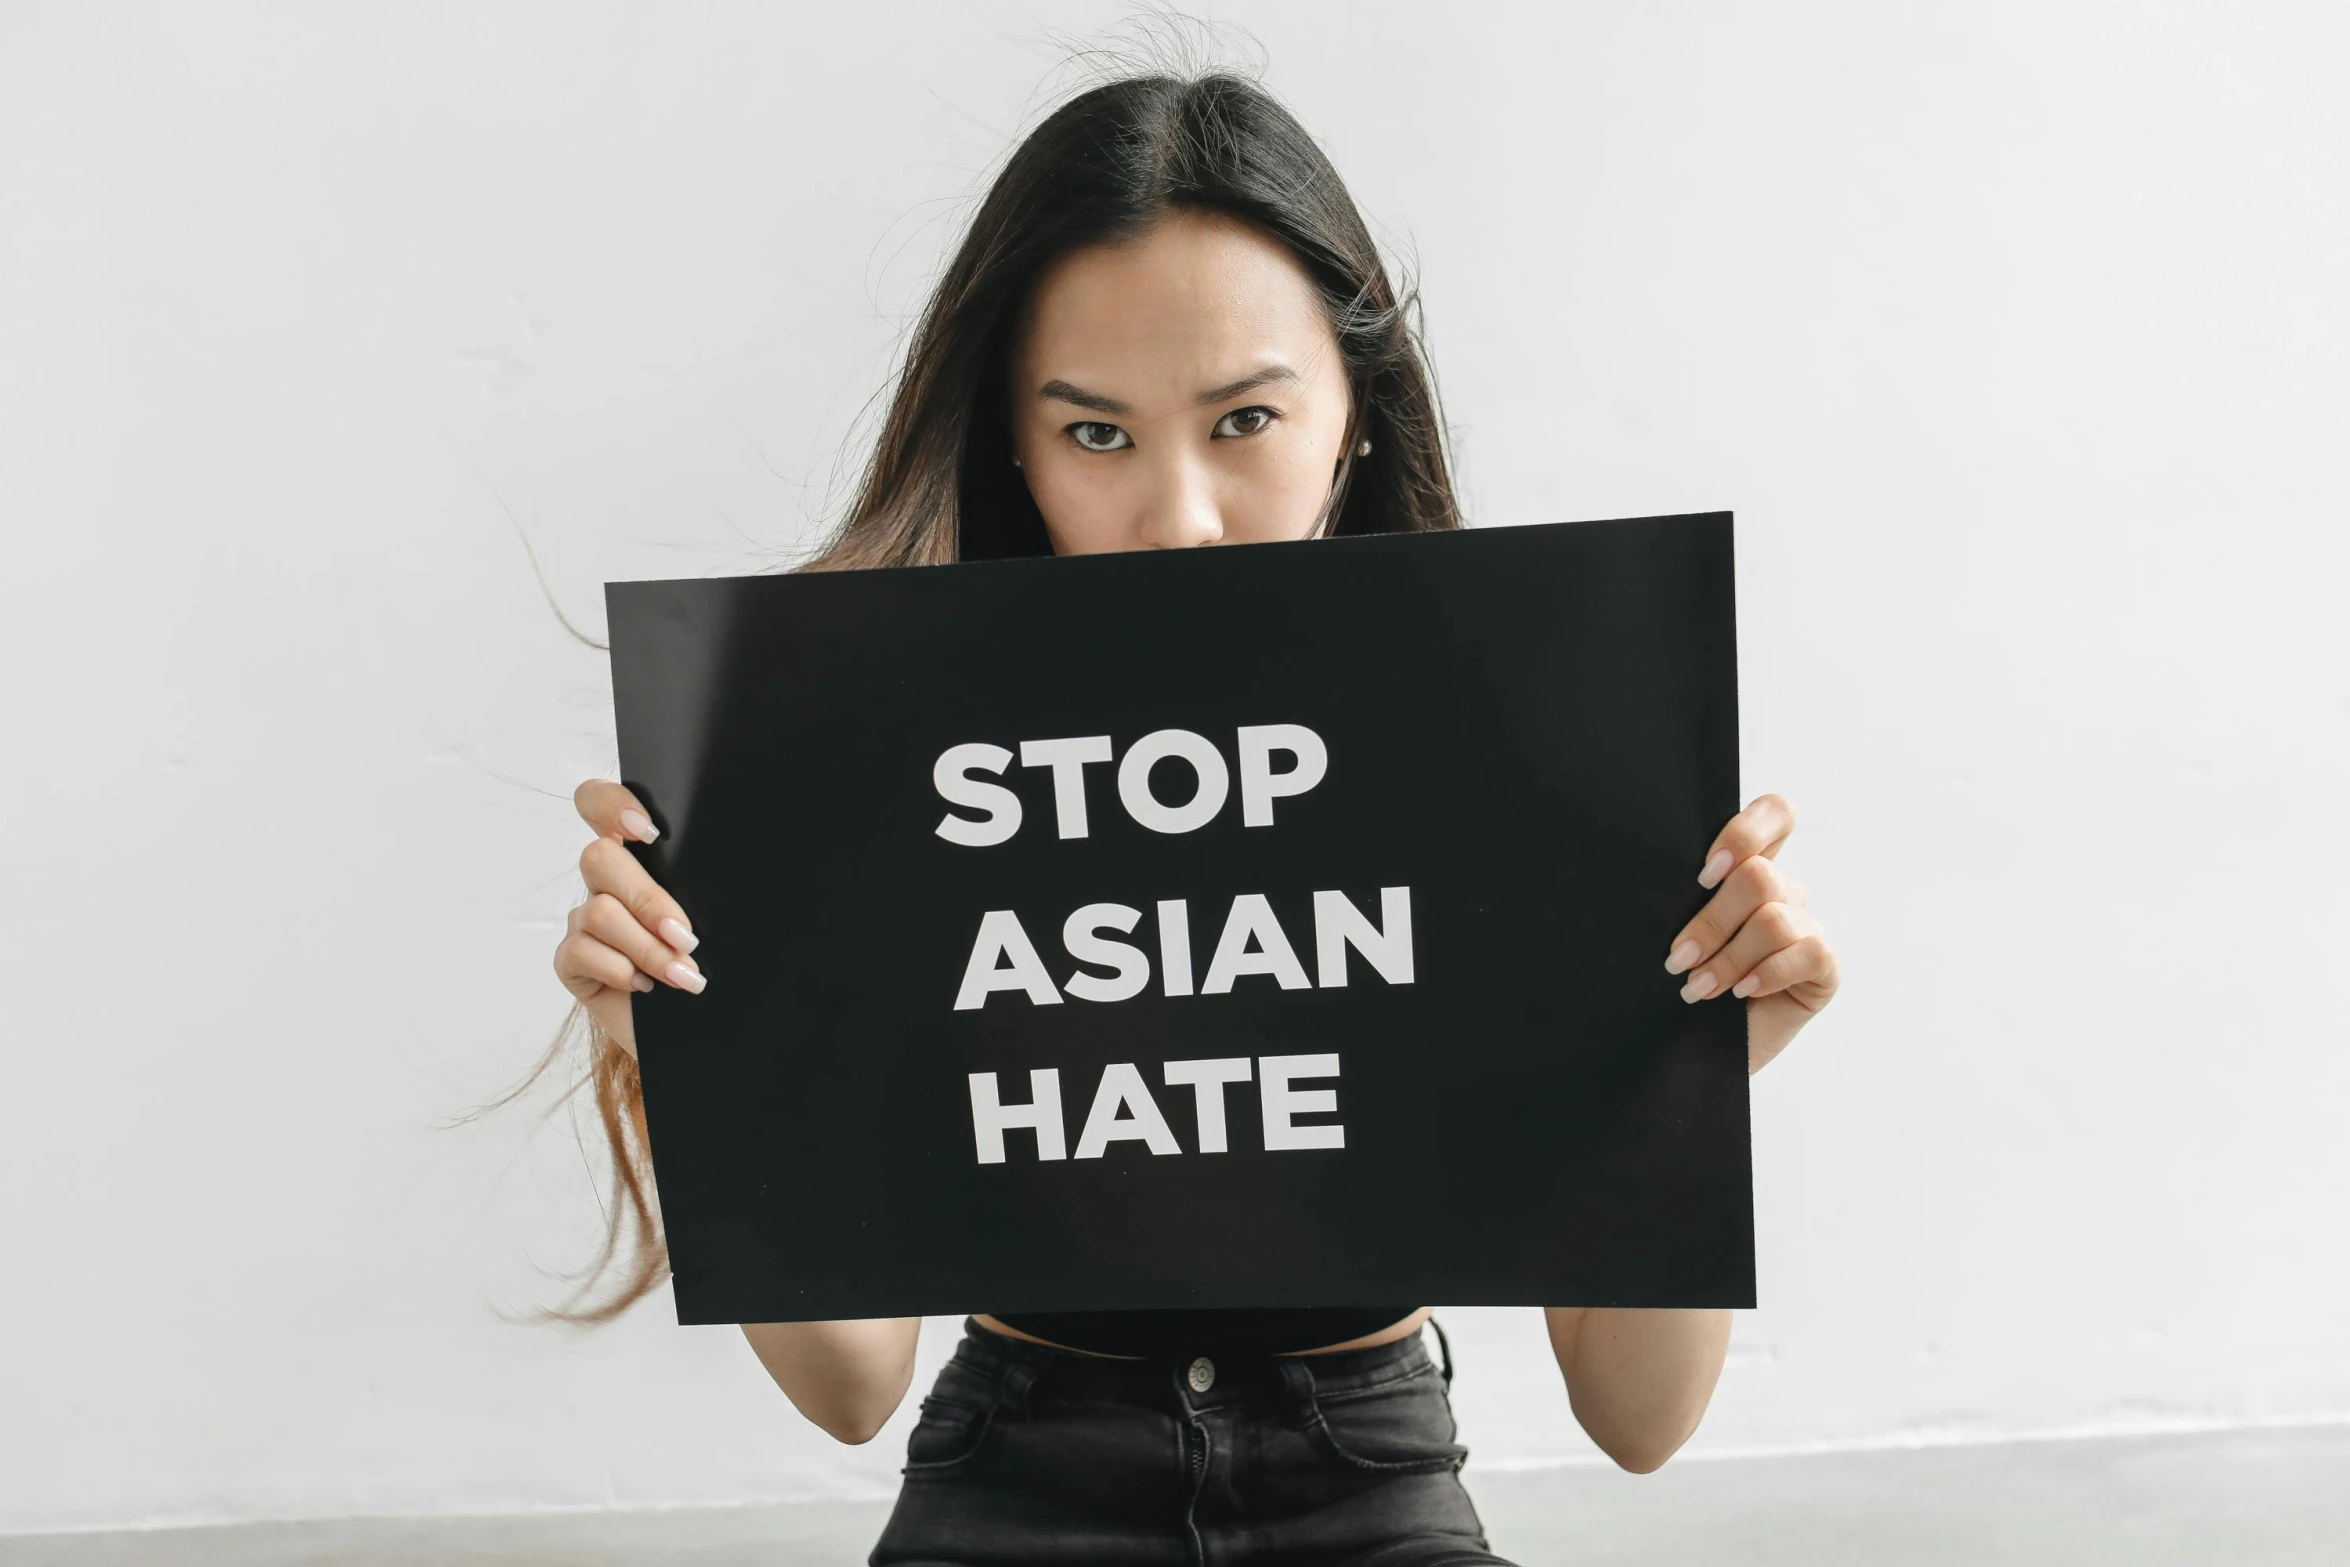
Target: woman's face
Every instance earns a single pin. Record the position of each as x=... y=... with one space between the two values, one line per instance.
x=1181 y=388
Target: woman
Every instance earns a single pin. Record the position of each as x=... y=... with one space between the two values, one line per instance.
x=1168 y=327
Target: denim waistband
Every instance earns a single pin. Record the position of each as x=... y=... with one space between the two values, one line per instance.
x=1235 y=1378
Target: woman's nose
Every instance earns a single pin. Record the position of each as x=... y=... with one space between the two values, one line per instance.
x=1184 y=513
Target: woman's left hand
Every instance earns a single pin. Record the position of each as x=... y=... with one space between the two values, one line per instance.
x=1754 y=939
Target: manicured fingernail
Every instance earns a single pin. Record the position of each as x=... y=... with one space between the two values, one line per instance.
x=640 y=982
x=1699 y=987
x=1715 y=869
x=1747 y=986
x=678 y=936
x=1684 y=956
x=638 y=826
x=686 y=979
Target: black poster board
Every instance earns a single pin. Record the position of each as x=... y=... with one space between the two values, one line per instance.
x=1531 y=730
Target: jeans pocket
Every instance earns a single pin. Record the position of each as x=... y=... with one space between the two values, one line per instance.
x=947 y=1437
x=1399 y=1427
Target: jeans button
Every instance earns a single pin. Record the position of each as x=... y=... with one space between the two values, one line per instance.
x=1202 y=1374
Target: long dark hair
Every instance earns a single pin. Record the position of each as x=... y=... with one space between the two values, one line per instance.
x=1103 y=167
x=940 y=485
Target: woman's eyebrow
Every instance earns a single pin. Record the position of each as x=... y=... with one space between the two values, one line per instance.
x=1247 y=383
x=1060 y=391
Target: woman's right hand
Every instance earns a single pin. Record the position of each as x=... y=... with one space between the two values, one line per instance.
x=629 y=934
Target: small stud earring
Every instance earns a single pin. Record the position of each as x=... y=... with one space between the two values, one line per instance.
x=1363 y=450
x=1015 y=461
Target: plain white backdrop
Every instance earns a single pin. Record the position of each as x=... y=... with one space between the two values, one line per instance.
x=2015 y=334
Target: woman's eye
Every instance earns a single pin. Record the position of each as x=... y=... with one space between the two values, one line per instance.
x=1097 y=437
x=1245 y=421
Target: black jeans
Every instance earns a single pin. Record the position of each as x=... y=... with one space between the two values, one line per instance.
x=1035 y=1456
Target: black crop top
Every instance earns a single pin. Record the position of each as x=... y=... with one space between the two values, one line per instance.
x=1177 y=1334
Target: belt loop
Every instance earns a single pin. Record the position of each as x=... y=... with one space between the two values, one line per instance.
x=1017 y=1383
x=1444 y=1344
x=1297 y=1387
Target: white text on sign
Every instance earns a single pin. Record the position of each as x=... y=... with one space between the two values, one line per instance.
x=1260 y=785
x=1003 y=957
x=1252 y=942
x=1124 y=1111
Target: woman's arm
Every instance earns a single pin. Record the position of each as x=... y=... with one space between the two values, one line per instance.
x=847 y=1377
x=1638 y=1380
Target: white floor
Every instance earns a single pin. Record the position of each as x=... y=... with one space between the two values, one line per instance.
x=2247 y=1497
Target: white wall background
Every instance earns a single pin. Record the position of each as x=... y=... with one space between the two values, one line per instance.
x=2016 y=334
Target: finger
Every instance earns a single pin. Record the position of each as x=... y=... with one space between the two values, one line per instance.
x=1759 y=829
x=602 y=979
x=610 y=869
x=610 y=922
x=1755 y=882
x=1772 y=928
x=1809 y=961
x=614 y=811
x=587 y=965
